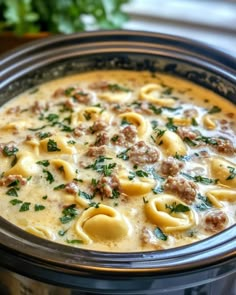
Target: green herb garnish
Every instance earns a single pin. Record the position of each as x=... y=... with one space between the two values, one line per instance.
x=52 y=146
x=15 y=202
x=49 y=176
x=44 y=163
x=38 y=207
x=10 y=150
x=69 y=213
x=177 y=208
x=214 y=110
x=159 y=234
x=232 y=172
x=25 y=207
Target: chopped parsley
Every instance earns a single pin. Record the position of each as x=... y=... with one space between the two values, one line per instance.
x=170 y=125
x=15 y=202
x=124 y=121
x=52 y=117
x=44 y=163
x=69 y=213
x=25 y=207
x=71 y=142
x=117 y=87
x=94 y=204
x=38 y=128
x=87 y=115
x=232 y=172
x=204 y=203
x=123 y=155
x=49 y=176
x=59 y=187
x=177 y=208
x=156 y=111
x=10 y=150
x=144 y=200
x=207 y=140
x=45 y=197
x=189 y=142
x=69 y=91
x=62 y=232
x=38 y=207
x=74 y=241
x=100 y=167
x=43 y=135
x=167 y=91
x=115 y=138
x=85 y=195
x=214 y=110
x=160 y=235
x=200 y=179
x=12 y=192
x=52 y=146
x=194 y=122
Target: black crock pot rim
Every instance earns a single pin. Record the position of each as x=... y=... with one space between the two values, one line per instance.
x=96 y=259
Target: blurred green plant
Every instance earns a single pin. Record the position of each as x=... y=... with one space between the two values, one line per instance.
x=60 y=16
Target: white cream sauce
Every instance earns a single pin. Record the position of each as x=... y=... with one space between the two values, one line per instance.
x=55 y=122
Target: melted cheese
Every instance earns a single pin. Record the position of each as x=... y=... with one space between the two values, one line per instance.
x=83 y=161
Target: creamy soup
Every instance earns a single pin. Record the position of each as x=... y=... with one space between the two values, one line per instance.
x=118 y=161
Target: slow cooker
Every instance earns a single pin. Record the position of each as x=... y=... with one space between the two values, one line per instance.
x=30 y=265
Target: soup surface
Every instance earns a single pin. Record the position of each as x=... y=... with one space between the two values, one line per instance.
x=119 y=161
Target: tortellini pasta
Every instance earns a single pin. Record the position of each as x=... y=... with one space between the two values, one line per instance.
x=152 y=93
x=66 y=168
x=115 y=97
x=171 y=143
x=158 y=211
x=223 y=171
x=215 y=196
x=41 y=232
x=209 y=122
x=138 y=120
x=56 y=145
x=91 y=114
x=25 y=165
x=102 y=223
x=135 y=187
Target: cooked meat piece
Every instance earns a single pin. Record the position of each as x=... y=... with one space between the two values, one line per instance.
x=38 y=107
x=185 y=189
x=185 y=132
x=224 y=146
x=141 y=153
x=95 y=151
x=58 y=92
x=72 y=188
x=101 y=85
x=130 y=133
x=5 y=181
x=171 y=166
x=215 y=221
x=106 y=186
x=101 y=139
x=191 y=113
x=81 y=96
x=14 y=110
x=98 y=125
x=79 y=131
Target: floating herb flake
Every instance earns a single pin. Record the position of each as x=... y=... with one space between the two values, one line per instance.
x=160 y=235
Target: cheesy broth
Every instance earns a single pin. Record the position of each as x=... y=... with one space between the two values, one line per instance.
x=118 y=161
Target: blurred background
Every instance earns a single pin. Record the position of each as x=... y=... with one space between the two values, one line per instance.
x=209 y=21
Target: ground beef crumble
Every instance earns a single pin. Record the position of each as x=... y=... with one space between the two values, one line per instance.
x=183 y=188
